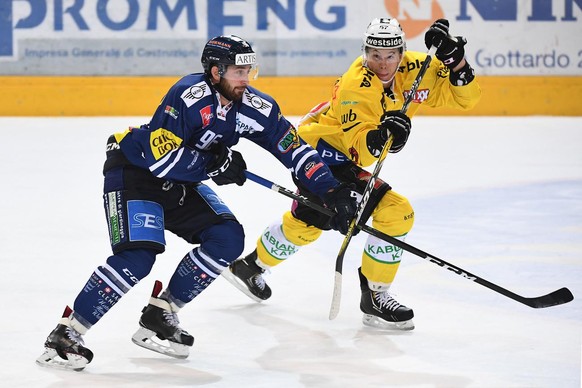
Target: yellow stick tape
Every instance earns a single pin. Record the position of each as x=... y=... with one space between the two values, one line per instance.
x=139 y=96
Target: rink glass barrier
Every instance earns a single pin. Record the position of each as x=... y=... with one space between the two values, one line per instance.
x=139 y=96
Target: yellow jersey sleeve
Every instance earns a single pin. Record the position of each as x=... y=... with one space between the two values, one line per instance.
x=358 y=100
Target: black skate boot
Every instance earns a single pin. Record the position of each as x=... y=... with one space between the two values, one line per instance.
x=246 y=275
x=381 y=310
x=159 y=320
x=66 y=343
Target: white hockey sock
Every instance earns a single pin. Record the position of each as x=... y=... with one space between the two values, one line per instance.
x=276 y=245
x=384 y=252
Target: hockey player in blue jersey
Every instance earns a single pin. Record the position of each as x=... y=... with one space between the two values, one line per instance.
x=153 y=182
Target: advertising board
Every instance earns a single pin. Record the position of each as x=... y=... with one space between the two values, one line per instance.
x=291 y=37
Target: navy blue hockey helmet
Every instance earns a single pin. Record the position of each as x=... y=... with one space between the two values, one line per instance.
x=226 y=50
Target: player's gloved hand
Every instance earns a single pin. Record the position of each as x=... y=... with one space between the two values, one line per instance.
x=344 y=200
x=450 y=50
x=227 y=167
x=398 y=124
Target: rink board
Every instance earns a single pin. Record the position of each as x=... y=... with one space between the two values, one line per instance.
x=138 y=96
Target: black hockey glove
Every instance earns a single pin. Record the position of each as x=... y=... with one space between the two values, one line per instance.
x=450 y=50
x=228 y=166
x=393 y=123
x=344 y=200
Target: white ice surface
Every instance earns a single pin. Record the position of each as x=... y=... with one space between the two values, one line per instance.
x=499 y=197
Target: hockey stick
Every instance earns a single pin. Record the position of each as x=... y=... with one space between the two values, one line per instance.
x=561 y=296
x=288 y=193
x=337 y=288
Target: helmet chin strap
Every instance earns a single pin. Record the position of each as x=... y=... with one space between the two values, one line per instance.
x=389 y=82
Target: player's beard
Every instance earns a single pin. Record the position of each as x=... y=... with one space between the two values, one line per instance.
x=231 y=93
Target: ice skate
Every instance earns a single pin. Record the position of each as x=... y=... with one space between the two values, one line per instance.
x=64 y=347
x=246 y=275
x=160 y=320
x=381 y=310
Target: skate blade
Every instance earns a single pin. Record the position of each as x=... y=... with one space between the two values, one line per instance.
x=144 y=337
x=235 y=281
x=50 y=359
x=379 y=323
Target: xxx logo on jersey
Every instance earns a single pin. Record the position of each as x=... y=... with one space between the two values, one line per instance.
x=419 y=97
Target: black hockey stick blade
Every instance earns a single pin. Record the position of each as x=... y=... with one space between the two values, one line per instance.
x=561 y=296
x=558 y=297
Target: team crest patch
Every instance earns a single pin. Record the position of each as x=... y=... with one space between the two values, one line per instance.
x=289 y=141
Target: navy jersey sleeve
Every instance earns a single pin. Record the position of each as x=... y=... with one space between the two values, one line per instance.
x=167 y=146
x=261 y=121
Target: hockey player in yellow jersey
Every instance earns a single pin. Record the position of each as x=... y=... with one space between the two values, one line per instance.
x=349 y=131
